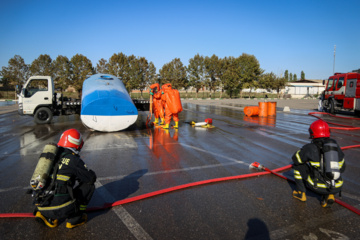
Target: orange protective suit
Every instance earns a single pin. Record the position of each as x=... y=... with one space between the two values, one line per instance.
x=172 y=103
x=158 y=108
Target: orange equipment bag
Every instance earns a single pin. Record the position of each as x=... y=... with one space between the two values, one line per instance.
x=173 y=101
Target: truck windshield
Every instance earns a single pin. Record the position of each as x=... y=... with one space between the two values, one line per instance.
x=34 y=86
x=330 y=84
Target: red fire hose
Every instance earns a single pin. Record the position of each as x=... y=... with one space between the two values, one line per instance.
x=199 y=183
x=159 y=192
x=344 y=127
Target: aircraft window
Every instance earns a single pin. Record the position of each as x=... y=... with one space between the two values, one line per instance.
x=104 y=77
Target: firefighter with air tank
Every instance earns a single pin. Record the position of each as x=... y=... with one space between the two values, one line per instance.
x=318 y=165
x=70 y=184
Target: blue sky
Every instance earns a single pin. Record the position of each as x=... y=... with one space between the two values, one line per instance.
x=282 y=34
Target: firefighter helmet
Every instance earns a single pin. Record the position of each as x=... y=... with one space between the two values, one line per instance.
x=71 y=139
x=319 y=129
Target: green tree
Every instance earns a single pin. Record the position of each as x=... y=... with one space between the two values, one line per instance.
x=267 y=81
x=279 y=84
x=302 y=75
x=295 y=78
x=17 y=72
x=61 y=72
x=291 y=77
x=249 y=71
x=42 y=66
x=141 y=73
x=81 y=67
x=286 y=75
x=196 y=73
x=212 y=69
x=102 y=66
x=174 y=72
x=230 y=78
x=119 y=67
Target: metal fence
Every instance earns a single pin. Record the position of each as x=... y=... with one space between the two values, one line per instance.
x=7 y=93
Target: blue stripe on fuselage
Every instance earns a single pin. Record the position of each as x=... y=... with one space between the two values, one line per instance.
x=107 y=103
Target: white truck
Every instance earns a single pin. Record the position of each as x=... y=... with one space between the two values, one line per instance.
x=38 y=98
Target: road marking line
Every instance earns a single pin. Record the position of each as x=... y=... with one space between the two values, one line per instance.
x=215 y=154
x=133 y=226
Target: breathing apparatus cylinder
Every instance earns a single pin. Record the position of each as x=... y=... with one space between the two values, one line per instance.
x=44 y=166
x=331 y=160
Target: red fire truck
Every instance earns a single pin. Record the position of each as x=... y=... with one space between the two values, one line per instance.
x=342 y=92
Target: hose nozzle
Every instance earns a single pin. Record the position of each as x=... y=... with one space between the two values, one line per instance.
x=257 y=166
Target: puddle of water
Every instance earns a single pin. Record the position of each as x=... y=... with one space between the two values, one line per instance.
x=7 y=103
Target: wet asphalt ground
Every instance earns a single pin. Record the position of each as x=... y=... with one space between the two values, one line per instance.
x=140 y=160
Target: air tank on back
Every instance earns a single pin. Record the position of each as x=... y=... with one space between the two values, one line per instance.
x=106 y=106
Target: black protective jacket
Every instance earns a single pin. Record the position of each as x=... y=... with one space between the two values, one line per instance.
x=67 y=199
x=308 y=167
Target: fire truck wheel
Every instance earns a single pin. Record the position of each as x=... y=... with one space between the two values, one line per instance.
x=43 y=115
x=331 y=107
x=357 y=113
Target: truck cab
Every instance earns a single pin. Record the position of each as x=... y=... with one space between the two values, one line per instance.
x=342 y=92
x=36 y=98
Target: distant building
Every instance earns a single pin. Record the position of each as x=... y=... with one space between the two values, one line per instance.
x=304 y=88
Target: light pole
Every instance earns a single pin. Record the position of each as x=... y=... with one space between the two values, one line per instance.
x=334 y=59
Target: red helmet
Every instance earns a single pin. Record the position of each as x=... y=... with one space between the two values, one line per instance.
x=71 y=139
x=319 y=129
x=208 y=121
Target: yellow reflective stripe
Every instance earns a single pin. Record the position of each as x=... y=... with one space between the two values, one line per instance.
x=314 y=164
x=298 y=156
x=321 y=185
x=341 y=163
x=62 y=177
x=297 y=174
x=82 y=207
x=56 y=207
x=339 y=183
x=310 y=180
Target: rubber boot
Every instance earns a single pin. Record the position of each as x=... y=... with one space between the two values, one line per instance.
x=299 y=195
x=47 y=221
x=327 y=200
x=156 y=121
x=176 y=125
x=166 y=126
x=162 y=121
x=75 y=222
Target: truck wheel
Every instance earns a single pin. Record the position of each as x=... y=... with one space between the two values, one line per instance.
x=43 y=115
x=331 y=107
x=357 y=113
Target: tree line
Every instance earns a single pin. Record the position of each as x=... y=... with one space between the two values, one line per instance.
x=228 y=74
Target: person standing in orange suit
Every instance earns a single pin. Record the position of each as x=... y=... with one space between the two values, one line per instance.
x=157 y=104
x=172 y=103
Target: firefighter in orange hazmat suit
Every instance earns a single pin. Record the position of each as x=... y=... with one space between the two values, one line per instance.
x=157 y=104
x=172 y=103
